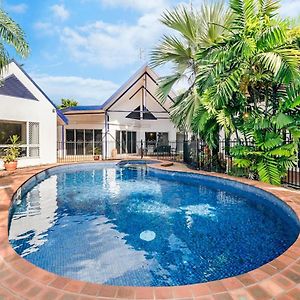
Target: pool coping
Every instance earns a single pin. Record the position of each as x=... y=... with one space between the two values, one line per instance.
x=19 y=279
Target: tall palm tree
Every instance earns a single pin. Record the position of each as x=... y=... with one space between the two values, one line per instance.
x=11 y=34
x=192 y=31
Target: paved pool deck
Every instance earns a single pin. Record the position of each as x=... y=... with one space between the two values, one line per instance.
x=19 y=279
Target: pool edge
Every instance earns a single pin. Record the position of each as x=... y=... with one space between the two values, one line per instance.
x=273 y=280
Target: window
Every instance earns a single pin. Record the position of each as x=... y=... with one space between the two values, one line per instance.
x=126 y=142
x=162 y=138
x=88 y=142
x=28 y=133
x=98 y=140
x=80 y=149
x=34 y=139
x=83 y=141
x=12 y=128
x=157 y=138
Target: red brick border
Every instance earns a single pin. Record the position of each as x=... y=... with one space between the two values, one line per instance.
x=19 y=279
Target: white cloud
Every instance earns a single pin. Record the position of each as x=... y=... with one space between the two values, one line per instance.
x=87 y=91
x=290 y=8
x=60 y=12
x=18 y=8
x=113 y=45
x=44 y=28
x=137 y=4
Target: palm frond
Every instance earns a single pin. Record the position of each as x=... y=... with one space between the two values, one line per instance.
x=165 y=85
x=282 y=120
x=268 y=171
x=269 y=8
x=12 y=34
x=171 y=49
x=183 y=21
x=244 y=12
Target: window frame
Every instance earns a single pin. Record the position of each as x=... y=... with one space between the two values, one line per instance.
x=27 y=145
x=122 y=141
x=73 y=150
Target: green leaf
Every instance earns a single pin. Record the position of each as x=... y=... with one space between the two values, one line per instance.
x=268 y=171
x=242 y=162
x=12 y=34
x=287 y=150
x=165 y=85
x=271 y=140
x=282 y=120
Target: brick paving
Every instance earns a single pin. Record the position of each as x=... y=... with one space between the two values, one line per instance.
x=19 y=279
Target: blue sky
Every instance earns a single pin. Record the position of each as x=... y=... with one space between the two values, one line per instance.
x=85 y=49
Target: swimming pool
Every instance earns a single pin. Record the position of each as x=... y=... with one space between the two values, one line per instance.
x=137 y=226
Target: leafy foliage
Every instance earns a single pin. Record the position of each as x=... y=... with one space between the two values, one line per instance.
x=193 y=31
x=246 y=82
x=11 y=34
x=66 y=103
x=254 y=88
x=12 y=152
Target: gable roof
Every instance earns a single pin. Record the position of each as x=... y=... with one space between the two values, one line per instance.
x=59 y=113
x=145 y=69
x=12 y=86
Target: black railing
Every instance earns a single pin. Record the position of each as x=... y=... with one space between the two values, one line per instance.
x=197 y=155
x=78 y=151
x=293 y=177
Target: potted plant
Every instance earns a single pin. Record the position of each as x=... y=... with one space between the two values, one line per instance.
x=12 y=152
x=97 y=153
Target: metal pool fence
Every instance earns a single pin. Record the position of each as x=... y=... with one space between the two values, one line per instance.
x=194 y=153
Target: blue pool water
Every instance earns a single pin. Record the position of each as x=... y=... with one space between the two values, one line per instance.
x=135 y=226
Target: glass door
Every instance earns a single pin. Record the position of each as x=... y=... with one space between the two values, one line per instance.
x=88 y=142
x=79 y=142
x=70 y=141
x=98 y=140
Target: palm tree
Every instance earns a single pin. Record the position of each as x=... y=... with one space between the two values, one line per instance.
x=245 y=79
x=193 y=31
x=11 y=34
x=66 y=103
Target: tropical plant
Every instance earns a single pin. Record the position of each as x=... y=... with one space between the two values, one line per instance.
x=97 y=151
x=194 y=30
x=12 y=152
x=11 y=34
x=245 y=81
x=274 y=139
x=237 y=74
x=66 y=103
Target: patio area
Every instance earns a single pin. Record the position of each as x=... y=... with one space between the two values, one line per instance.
x=279 y=279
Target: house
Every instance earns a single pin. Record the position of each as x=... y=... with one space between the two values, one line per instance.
x=25 y=110
x=132 y=119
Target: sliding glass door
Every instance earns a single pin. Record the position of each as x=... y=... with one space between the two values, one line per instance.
x=126 y=142
x=83 y=141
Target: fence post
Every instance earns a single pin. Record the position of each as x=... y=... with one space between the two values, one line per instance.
x=197 y=153
x=186 y=151
x=142 y=150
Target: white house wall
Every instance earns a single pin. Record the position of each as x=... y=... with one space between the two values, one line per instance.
x=25 y=110
x=118 y=112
